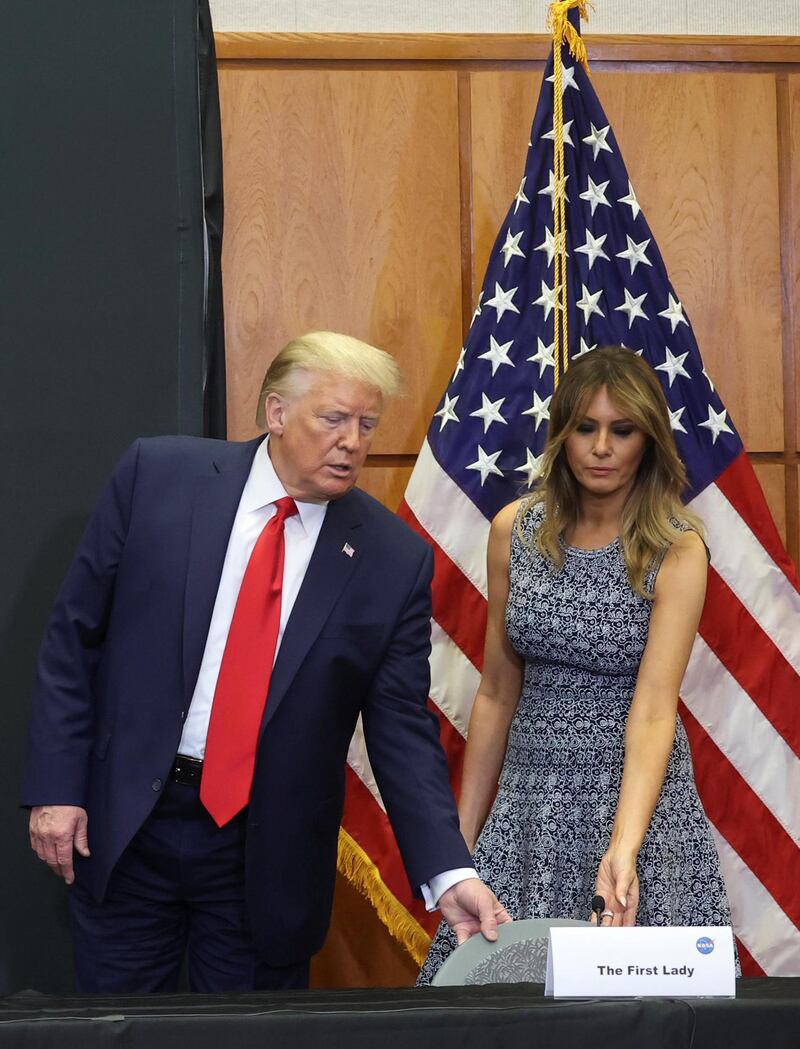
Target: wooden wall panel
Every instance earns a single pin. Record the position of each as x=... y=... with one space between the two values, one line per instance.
x=788 y=95
x=792 y=262
x=503 y=105
x=474 y=48
x=342 y=212
x=387 y=483
x=772 y=478
x=702 y=154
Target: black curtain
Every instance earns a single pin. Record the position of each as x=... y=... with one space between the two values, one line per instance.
x=110 y=328
x=214 y=409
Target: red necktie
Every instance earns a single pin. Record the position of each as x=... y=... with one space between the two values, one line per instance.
x=244 y=675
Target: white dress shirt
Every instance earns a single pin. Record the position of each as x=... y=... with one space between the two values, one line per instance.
x=256 y=506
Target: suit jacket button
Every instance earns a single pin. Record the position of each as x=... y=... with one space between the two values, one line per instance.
x=156 y=785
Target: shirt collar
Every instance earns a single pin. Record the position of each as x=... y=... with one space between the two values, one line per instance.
x=264 y=487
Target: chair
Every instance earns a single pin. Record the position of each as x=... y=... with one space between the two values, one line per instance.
x=518 y=955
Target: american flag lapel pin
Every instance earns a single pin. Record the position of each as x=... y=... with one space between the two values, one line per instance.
x=347 y=549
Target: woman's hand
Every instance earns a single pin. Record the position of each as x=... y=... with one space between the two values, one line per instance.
x=618 y=884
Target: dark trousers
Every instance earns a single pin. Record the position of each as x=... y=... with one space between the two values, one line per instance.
x=177 y=890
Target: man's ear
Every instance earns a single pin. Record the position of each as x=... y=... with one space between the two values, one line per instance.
x=275 y=414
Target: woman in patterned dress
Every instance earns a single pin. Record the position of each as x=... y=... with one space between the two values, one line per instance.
x=596 y=586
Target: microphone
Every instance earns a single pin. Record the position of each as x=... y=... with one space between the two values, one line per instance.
x=598 y=906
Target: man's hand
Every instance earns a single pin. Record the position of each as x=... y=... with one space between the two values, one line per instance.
x=55 y=831
x=469 y=907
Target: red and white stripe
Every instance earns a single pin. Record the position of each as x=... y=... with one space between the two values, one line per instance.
x=740 y=697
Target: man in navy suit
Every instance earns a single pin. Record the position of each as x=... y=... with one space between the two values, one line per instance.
x=129 y=672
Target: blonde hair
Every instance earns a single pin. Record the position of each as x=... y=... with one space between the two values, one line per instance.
x=328 y=351
x=654 y=508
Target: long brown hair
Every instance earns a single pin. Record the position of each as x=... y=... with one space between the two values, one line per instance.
x=647 y=527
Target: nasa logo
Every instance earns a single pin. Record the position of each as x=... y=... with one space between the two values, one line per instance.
x=705 y=945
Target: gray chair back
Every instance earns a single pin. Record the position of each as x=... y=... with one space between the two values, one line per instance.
x=519 y=955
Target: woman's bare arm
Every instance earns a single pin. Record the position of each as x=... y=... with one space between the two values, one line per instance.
x=678 y=603
x=498 y=693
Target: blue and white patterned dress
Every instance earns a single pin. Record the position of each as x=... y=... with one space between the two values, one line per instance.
x=582 y=631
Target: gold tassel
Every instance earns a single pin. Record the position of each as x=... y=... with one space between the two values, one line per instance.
x=355 y=865
x=564 y=33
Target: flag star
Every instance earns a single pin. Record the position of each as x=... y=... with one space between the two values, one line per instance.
x=567 y=78
x=502 y=301
x=588 y=303
x=673 y=365
x=544 y=356
x=550 y=189
x=674 y=313
x=489 y=412
x=585 y=348
x=548 y=246
x=635 y=253
x=459 y=363
x=478 y=309
x=540 y=409
x=708 y=379
x=630 y=200
x=532 y=467
x=567 y=136
x=497 y=354
x=547 y=300
x=486 y=464
x=447 y=413
x=520 y=197
x=595 y=194
x=675 y=420
x=716 y=423
x=511 y=246
x=633 y=307
x=597 y=139
x=593 y=248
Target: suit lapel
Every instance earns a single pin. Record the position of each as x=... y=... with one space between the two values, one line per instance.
x=328 y=571
x=216 y=500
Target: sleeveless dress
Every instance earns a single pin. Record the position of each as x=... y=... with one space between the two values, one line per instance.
x=581 y=631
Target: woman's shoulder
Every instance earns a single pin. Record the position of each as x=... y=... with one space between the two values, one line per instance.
x=689 y=543
x=684 y=563
x=504 y=521
x=522 y=515
x=687 y=537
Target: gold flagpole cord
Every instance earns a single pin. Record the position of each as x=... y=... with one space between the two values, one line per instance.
x=563 y=32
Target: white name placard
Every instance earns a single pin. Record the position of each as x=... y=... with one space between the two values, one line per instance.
x=680 y=962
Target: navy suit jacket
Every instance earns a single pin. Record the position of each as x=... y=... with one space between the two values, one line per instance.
x=122 y=652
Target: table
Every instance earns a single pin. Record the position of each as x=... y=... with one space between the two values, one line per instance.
x=764 y=1015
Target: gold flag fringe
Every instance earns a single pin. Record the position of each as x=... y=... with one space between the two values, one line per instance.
x=355 y=865
x=563 y=32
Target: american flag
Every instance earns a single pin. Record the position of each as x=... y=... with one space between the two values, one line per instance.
x=740 y=699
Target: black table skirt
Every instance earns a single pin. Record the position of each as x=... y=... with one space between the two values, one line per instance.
x=765 y=1014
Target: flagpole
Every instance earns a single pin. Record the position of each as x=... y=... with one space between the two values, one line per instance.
x=563 y=32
